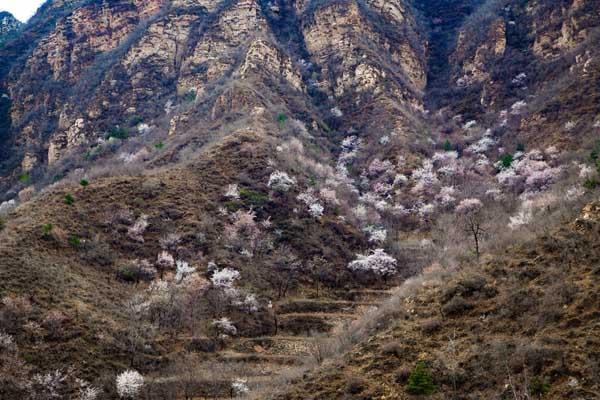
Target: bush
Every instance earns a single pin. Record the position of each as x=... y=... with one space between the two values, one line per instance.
x=591 y=184
x=538 y=387
x=506 y=160
x=75 y=241
x=127 y=274
x=355 y=385
x=282 y=118
x=24 y=178
x=84 y=182
x=47 y=229
x=420 y=381
x=69 y=199
x=456 y=306
x=118 y=132
x=447 y=145
x=254 y=198
x=2 y=224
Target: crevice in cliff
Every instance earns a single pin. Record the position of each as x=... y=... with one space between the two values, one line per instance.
x=444 y=19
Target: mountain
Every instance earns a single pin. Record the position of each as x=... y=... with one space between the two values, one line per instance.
x=9 y=26
x=202 y=191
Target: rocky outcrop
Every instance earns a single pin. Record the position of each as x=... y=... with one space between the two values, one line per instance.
x=8 y=24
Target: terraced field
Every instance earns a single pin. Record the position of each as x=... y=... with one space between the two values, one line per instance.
x=266 y=364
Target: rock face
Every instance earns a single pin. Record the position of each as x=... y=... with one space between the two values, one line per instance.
x=90 y=67
x=8 y=24
x=102 y=64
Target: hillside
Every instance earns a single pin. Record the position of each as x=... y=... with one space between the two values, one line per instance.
x=208 y=193
x=523 y=324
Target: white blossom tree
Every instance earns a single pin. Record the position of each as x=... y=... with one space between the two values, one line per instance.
x=378 y=262
x=280 y=181
x=129 y=384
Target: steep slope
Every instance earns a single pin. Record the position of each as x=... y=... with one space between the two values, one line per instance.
x=523 y=324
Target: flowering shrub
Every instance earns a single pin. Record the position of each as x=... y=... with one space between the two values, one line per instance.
x=183 y=270
x=314 y=207
x=316 y=210
x=570 y=125
x=378 y=167
x=240 y=387
x=7 y=207
x=281 y=181
x=470 y=124
x=136 y=232
x=336 y=112
x=7 y=343
x=249 y=303
x=518 y=107
x=530 y=173
x=165 y=260
x=225 y=278
x=170 y=240
x=520 y=79
x=482 y=145
x=468 y=206
x=350 y=147
x=378 y=262
x=425 y=178
x=446 y=196
x=376 y=235
x=129 y=384
x=243 y=230
x=225 y=326
x=50 y=384
x=232 y=192
x=89 y=393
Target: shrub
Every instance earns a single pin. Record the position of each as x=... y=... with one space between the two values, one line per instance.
x=456 y=306
x=84 y=182
x=129 y=384
x=282 y=118
x=190 y=96
x=127 y=274
x=118 y=132
x=253 y=198
x=75 y=241
x=24 y=178
x=281 y=181
x=2 y=223
x=447 y=145
x=159 y=145
x=47 y=229
x=69 y=199
x=355 y=385
x=538 y=387
x=506 y=161
x=420 y=381
x=591 y=184
x=378 y=262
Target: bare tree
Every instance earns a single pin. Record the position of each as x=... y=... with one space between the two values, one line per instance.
x=283 y=272
x=471 y=217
